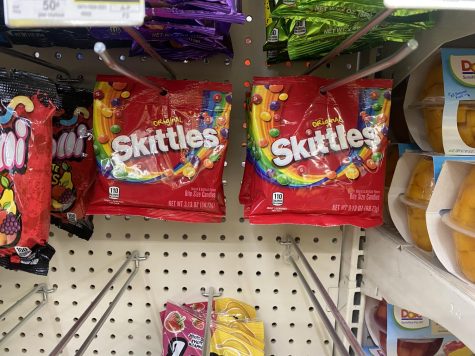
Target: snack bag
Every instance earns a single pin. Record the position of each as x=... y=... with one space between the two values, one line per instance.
x=160 y=154
x=73 y=167
x=26 y=110
x=183 y=333
x=316 y=159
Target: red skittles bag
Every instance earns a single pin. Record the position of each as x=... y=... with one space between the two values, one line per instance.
x=160 y=153
x=316 y=159
x=26 y=112
x=74 y=165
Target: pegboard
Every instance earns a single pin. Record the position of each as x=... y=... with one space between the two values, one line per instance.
x=245 y=261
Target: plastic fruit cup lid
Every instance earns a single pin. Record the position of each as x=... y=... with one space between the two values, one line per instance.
x=447 y=220
x=412 y=203
x=412 y=341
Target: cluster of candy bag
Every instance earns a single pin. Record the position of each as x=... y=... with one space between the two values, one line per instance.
x=234 y=329
x=316 y=159
x=74 y=166
x=183 y=30
x=160 y=154
x=26 y=111
x=308 y=29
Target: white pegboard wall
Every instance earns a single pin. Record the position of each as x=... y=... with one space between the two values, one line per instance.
x=247 y=264
x=245 y=261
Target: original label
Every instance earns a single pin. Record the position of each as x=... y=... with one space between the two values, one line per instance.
x=73 y=13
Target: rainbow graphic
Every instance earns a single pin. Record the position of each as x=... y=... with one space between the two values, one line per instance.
x=265 y=124
x=109 y=121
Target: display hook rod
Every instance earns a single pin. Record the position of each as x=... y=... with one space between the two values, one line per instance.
x=101 y=50
x=137 y=36
x=375 y=21
x=26 y=57
x=402 y=53
x=358 y=350
x=211 y=294
x=40 y=288
x=133 y=257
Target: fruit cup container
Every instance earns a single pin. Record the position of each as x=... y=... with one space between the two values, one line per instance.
x=433 y=121
x=428 y=347
x=461 y=220
x=416 y=199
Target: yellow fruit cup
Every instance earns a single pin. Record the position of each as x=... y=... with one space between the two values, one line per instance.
x=416 y=199
x=462 y=222
x=433 y=107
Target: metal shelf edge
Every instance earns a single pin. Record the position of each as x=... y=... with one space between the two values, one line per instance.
x=412 y=279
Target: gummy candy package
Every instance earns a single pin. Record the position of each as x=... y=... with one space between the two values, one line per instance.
x=316 y=159
x=184 y=331
x=74 y=165
x=26 y=111
x=160 y=154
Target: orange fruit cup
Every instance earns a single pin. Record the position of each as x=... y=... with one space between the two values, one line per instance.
x=434 y=90
x=462 y=222
x=416 y=199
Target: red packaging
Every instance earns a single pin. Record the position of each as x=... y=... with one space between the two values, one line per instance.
x=74 y=166
x=25 y=160
x=160 y=154
x=316 y=159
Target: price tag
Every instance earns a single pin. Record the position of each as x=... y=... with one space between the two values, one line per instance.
x=431 y=4
x=73 y=13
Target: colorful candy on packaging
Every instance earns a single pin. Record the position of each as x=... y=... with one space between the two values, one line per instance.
x=334 y=176
x=163 y=157
x=74 y=165
x=25 y=170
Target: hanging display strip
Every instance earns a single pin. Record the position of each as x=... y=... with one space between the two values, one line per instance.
x=65 y=13
x=243 y=261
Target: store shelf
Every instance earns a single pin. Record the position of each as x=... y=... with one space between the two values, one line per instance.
x=450 y=25
x=412 y=279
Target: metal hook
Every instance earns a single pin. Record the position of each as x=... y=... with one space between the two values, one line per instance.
x=211 y=294
x=40 y=288
x=26 y=57
x=101 y=50
x=137 y=36
x=133 y=257
x=358 y=350
x=402 y=53
x=375 y=21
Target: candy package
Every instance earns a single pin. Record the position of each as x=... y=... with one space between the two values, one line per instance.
x=160 y=154
x=184 y=330
x=74 y=166
x=26 y=113
x=316 y=159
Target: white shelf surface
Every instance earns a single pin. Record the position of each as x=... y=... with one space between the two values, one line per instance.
x=405 y=276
